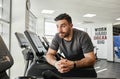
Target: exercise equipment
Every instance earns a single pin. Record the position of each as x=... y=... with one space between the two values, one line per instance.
x=27 y=52
x=35 y=44
x=39 y=64
x=6 y=60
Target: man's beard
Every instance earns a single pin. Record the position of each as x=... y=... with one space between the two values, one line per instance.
x=63 y=34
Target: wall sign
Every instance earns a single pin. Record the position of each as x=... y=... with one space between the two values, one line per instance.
x=100 y=35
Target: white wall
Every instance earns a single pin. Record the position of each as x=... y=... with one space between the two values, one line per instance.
x=105 y=51
x=110 y=55
x=102 y=48
x=18 y=25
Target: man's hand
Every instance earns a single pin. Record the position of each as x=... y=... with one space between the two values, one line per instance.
x=64 y=65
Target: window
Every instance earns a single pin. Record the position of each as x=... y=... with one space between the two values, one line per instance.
x=5 y=20
x=50 y=29
x=31 y=20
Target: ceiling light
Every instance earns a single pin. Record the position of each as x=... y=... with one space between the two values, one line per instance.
x=118 y=19
x=89 y=15
x=47 y=11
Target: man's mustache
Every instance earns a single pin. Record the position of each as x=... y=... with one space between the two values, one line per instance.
x=61 y=33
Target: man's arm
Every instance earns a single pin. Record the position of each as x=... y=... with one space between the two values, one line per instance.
x=67 y=65
x=50 y=56
x=61 y=65
x=4 y=63
x=89 y=60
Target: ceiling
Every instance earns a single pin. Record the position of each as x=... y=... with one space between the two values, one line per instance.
x=106 y=10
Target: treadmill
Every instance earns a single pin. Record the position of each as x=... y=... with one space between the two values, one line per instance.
x=39 y=64
x=27 y=52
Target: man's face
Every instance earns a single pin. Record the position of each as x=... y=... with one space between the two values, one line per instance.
x=63 y=28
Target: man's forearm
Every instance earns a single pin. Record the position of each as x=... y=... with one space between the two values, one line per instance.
x=85 y=62
x=50 y=59
x=4 y=63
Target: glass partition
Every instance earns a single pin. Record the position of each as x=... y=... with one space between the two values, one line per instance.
x=5 y=20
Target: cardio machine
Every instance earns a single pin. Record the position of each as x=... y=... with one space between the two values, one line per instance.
x=39 y=63
x=27 y=52
x=34 y=50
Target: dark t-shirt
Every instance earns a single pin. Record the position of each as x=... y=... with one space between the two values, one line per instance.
x=75 y=50
x=76 y=47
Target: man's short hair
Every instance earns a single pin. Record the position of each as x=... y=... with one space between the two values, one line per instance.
x=64 y=16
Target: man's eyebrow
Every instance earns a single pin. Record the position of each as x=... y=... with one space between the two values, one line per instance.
x=61 y=24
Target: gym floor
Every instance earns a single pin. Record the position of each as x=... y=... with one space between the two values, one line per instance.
x=106 y=69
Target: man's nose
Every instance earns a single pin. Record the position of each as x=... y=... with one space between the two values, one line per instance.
x=59 y=30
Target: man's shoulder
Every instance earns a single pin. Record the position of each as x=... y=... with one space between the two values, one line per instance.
x=57 y=38
x=79 y=32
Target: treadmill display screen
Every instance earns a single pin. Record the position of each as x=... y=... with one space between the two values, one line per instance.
x=35 y=43
x=22 y=40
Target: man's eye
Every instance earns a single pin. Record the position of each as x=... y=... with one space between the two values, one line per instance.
x=63 y=25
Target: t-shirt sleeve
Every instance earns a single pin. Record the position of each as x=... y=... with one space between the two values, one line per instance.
x=54 y=44
x=87 y=45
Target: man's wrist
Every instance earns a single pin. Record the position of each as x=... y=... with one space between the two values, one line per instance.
x=54 y=63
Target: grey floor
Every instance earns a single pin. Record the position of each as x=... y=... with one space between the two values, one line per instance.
x=106 y=69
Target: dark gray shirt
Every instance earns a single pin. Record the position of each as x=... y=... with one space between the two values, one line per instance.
x=76 y=47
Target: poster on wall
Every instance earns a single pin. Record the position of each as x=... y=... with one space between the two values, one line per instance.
x=100 y=35
x=117 y=46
